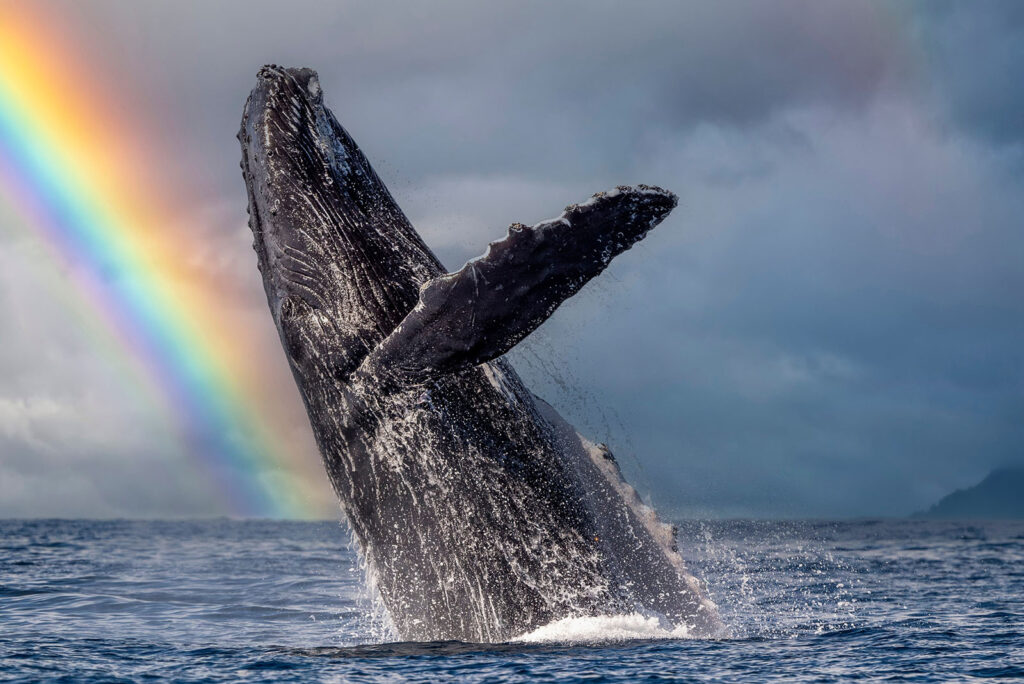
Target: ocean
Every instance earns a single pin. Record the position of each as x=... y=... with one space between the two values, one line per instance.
x=286 y=601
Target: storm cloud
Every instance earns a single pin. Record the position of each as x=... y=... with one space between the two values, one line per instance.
x=830 y=324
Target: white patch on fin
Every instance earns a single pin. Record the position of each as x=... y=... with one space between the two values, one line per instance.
x=663 y=533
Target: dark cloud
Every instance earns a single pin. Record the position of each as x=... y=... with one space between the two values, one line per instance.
x=830 y=323
x=974 y=53
x=836 y=337
x=542 y=89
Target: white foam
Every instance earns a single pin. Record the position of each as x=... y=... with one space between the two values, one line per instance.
x=604 y=628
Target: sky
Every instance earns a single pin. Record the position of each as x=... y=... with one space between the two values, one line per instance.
x=829 y=325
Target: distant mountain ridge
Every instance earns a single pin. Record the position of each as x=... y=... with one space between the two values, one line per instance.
x=999 y=496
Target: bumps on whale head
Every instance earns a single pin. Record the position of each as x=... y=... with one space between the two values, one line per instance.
x=303 y=77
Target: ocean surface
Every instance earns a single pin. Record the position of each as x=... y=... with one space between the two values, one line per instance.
x=280 y=601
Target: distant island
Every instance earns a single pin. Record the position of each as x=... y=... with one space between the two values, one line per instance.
x=998 y=496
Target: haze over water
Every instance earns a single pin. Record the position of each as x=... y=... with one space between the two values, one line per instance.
x=285 y=601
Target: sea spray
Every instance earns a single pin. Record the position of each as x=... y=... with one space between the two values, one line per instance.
x=603 y=628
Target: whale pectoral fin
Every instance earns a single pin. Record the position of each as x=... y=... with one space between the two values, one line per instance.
x=484 y=309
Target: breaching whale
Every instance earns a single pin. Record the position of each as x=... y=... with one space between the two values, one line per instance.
x=480 y=511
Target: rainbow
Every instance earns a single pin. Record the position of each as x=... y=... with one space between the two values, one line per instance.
x=71 y=170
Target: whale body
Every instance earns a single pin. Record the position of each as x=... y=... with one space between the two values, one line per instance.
x=481 y=513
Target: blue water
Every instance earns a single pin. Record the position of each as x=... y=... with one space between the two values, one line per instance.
x=277 y=601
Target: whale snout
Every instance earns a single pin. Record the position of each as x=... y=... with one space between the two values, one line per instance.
x=304 y=77
x=282 y=101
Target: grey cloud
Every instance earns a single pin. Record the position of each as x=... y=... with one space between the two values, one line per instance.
x=974 y=53
x=538 y=89
x=827 y=339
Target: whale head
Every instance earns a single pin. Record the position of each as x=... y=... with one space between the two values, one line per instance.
x=341 y=263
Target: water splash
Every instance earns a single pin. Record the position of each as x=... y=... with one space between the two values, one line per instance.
x=601 y=629
x=775 y=579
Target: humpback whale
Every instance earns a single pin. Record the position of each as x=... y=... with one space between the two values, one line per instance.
x=481 y=513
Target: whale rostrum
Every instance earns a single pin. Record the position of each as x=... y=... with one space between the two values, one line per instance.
x=481 y=513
